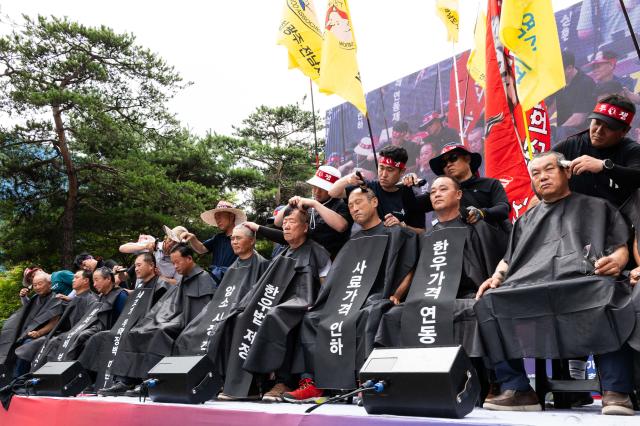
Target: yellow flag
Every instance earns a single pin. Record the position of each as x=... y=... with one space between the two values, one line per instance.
x=300 y=34
x=476 y=65
x=339 y=72
x=528 y=29
x=448 y=11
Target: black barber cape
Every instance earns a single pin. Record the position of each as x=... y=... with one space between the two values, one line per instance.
x=67 y=346
x=338 y=333
x=152 y=337
x=35 y=314
x=276 y=305
x=102 y=349
x=455 y=259
x=206 y=333
x=74 y=310
x=631 y=210
x=551 y=305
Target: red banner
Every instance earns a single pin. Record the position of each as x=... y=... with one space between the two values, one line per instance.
x=471 y=97
x=503 y=145
x=539 y=130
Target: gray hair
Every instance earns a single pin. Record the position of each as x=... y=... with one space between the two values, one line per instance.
x=560 y=158
x=245 y=230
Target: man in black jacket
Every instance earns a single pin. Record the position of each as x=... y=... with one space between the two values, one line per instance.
x=604 y=162
x=482 y=198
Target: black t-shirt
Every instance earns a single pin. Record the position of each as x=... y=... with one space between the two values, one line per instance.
x=577 y=96
x=615 y=185
x=401 y=203
x=325 y=235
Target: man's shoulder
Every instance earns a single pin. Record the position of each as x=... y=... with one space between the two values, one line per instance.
x=629 y=146
x=591 y=201
x=573 y=143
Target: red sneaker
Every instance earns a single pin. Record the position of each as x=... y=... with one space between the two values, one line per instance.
x=306 y=392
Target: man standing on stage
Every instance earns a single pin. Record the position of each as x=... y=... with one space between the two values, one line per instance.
x=396 y=205
x=224 y=217
x=604 y=162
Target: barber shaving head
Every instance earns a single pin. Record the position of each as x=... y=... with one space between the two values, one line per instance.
x=550 y=175
x=610 y=121
x=391 y=164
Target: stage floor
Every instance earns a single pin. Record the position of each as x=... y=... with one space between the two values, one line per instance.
x=123 y=411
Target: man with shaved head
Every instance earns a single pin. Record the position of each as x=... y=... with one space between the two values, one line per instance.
x=561 y=271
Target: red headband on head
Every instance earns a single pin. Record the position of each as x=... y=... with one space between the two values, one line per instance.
x=615 y=112
x=326 y=176
x=389 y=162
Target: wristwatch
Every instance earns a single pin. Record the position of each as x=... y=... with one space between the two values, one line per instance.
x=607 y=164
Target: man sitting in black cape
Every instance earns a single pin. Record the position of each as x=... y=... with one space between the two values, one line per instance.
x=482 y=198
x=329 y=223
x=370 y=274
x=262 y=339
x=455 y=259
x=152 y=337
x=73 y=312
x=211 y=331
x=100 y=315
x=37 y=317
x=101 y=350
x=558 y=295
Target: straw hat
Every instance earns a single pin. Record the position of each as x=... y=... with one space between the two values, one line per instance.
x=223 y=206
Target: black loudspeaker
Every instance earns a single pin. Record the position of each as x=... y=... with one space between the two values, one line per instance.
x=60 y=379
x=429 y=382
x=184 y=379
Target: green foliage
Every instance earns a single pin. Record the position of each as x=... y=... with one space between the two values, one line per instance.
x=90 y=156
x=75 y=100
x=278 y=141
x=10 y=285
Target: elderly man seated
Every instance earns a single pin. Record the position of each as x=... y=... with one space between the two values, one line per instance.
x=556 y=293
x=37 y=317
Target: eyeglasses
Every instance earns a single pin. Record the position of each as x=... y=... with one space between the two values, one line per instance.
x=451 y=158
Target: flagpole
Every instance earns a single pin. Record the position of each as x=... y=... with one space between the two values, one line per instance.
x=466 y=95
x=373 y=145
x=384 y=116
x=633 y=35
x=315 y=132
x=435 y=90
x=440 y=89
x=455 y=72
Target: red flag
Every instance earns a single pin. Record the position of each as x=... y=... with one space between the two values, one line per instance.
x=504 y=159
x=472 y=99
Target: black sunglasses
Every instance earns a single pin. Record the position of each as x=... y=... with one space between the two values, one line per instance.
x=451 y=158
